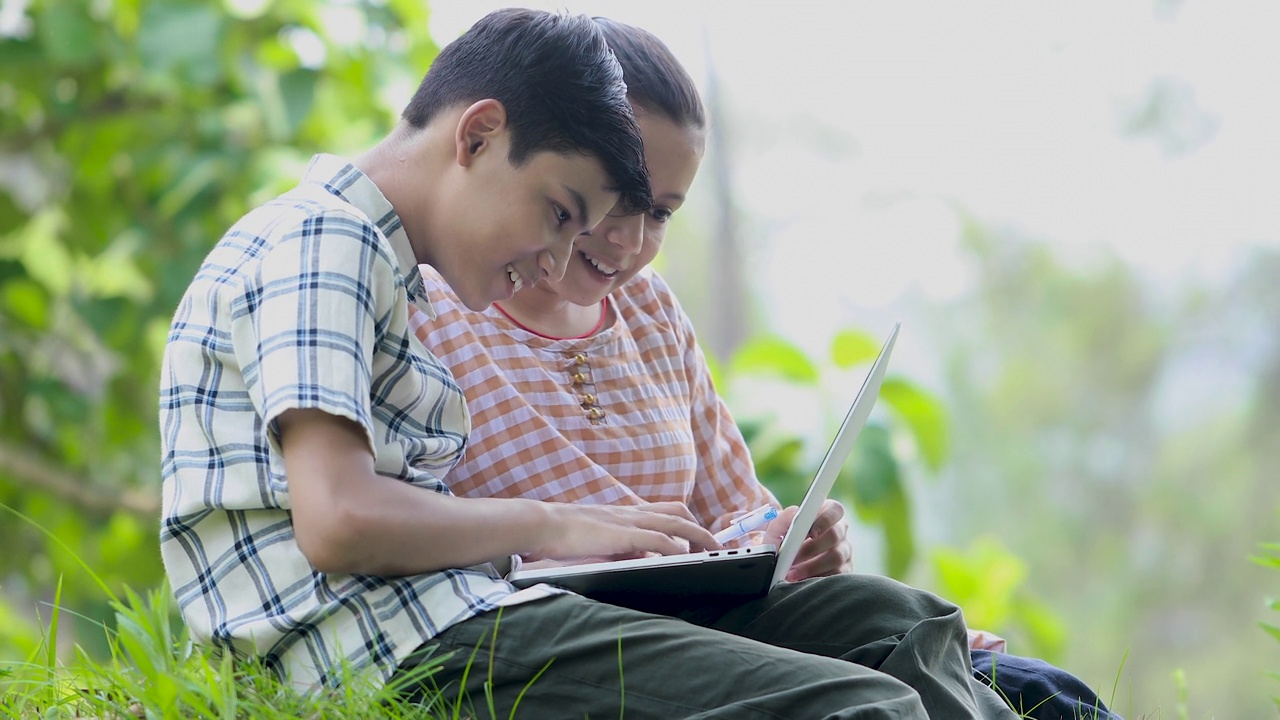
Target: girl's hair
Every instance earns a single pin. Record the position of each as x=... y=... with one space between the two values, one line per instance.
x=655 y=80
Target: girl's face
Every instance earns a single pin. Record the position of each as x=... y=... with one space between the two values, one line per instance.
x=621 y=245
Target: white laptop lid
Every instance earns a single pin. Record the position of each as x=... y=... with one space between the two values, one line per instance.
x=835 y=458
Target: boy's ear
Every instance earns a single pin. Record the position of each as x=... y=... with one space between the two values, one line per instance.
x=480 y=125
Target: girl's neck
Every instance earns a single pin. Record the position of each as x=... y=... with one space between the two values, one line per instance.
x=556 y=320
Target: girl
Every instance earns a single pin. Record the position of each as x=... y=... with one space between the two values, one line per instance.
x=593 y=389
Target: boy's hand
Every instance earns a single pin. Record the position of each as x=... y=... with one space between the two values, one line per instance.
x=582 y=531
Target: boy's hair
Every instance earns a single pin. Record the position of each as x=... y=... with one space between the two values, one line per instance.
x=560 y=84
x=656 y=81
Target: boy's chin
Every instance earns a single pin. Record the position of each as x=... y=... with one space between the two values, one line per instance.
x=478 y=302
x=480 y=306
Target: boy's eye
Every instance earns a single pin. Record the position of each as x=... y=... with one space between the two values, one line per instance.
x=562 y=215
x=661 y=214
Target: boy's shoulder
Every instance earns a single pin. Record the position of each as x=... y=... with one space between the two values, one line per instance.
x=311 y=209
x=307 y=202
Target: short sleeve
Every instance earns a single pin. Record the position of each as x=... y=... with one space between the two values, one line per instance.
x=305 y=329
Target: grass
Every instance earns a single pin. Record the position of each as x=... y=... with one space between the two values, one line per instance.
x=1082 y=712
x=156 y=673
x=154 y=670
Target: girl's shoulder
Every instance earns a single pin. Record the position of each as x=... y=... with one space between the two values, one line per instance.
x=647 y=300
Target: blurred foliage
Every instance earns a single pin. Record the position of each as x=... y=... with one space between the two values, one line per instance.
x=873 y=479
x=990 y=583
x=132 y=134
x=1121 y=436
x=1270 y=558
x=987 y=580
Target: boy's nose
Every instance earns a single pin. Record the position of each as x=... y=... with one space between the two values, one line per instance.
x=554 y=262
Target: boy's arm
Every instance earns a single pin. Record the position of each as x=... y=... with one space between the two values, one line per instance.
x=349 y=519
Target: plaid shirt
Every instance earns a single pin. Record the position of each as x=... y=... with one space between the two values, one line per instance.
x=626 y=416
x=304 y=304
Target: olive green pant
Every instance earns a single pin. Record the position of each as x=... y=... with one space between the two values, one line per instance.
x=850 y=646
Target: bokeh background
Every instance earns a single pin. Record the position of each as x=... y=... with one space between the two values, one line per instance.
x=1072 y=208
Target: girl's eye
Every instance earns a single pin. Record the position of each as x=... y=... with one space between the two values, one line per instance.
x=562 y=215
x=661 y=214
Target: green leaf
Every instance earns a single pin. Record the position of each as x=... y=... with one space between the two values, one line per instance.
x=1272 y=630
x=43 y=253
x=924 y=415
x=853 y=347
x=156 y=337
x=780 y=467
x=953 y=575
x=899 y=540
x=124 y=534
x=66 y=33
x=774 y=356
x=784 y=455
x=114 y=273
x=1047 y=632
x=297 y=93
x=202 y=174
x=1272 y=560
x=15 y=54
x=181 y=37
x=876 y=475
x=27 y=302
x=15 y=630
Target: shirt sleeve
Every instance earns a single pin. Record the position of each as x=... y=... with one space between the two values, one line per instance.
x=306 y=330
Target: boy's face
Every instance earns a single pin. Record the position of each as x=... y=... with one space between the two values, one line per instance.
x=517 y=225
x=622 y=245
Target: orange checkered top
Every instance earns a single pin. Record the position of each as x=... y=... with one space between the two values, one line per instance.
x=626 y=416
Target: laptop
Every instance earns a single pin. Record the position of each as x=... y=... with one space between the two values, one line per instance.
x=751 y=570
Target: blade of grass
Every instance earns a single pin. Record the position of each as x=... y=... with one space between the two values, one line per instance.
x=622 y=682
x=526 y=687
x=493 y=651
x=58 y=541
x=51 y=646
x=466 y=673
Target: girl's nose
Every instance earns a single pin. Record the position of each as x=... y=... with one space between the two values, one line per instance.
x=627 y=233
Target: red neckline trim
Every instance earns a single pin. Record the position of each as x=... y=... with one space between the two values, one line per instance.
x=604 y=313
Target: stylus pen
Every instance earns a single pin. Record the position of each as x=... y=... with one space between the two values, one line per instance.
x=747 y=523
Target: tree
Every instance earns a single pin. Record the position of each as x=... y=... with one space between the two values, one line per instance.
x=1124 y=442
x=132 y=134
